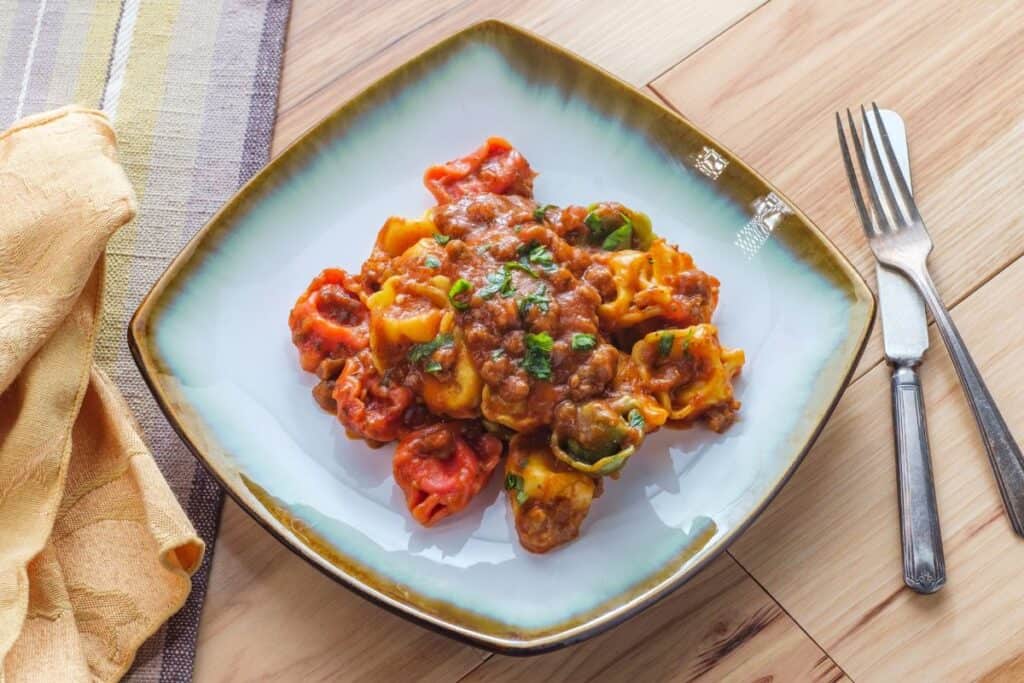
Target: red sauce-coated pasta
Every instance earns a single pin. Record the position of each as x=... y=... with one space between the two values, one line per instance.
x=494 y=323
x=330 y=319
x=369 y=407
x=441 y=467
x=495 y=167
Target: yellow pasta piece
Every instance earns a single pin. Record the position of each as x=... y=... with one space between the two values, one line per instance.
x=398 y=234
x=459 y=395
x=524 y=415
x=407 y=312
x=643 y=288
x=549 y=501
x=698 y=347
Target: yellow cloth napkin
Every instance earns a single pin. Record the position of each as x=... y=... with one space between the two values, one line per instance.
x=95 y=552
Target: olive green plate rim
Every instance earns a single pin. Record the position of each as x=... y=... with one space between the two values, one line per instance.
x=150 y=366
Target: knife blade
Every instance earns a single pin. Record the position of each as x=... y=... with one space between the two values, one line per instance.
x=905 y=336
x=901 y=309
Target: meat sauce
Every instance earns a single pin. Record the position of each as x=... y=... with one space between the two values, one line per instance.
x=496 y=315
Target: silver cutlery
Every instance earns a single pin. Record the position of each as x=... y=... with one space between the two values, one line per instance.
x=899 y=239
x=905 y=337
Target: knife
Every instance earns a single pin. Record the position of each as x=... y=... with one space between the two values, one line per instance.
x=905 y=337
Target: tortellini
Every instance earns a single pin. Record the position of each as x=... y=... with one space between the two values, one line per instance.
x=599 y=436
x=660 y=284
x=405 y=312
x=457 y=392
x=566 y=333
x=688 y=371
x=548 y=499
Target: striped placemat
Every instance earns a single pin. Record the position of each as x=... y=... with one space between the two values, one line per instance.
x=191 y=86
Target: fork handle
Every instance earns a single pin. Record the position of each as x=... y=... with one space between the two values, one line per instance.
x=924 y=565
x=1003 y=451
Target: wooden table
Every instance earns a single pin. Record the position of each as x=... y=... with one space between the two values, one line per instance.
x=813 y=591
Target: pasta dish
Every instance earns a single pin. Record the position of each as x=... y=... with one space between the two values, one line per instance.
x=497 y=328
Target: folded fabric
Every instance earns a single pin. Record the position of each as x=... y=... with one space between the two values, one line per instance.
x=95 y=551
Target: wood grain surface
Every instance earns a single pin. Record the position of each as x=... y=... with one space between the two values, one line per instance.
x=814 y=590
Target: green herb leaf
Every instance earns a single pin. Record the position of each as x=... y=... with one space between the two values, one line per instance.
x=665 y=342
x=583 y=342
x=497 y=353
x=419 y=352
x=538 y=298
x=540 y=211
x=430 y=261
x=513 y=482
x=636 y=419
x=482 y=249
x=537 y=360
x=441 y=239
x=497 y=282
x=461 y=286
x=521 y=265
x=433 y=367
x=621 y=237
x=595 y=224
x=541 y=255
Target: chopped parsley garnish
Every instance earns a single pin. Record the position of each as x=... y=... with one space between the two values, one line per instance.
x=542 y=256
x=431 y=262
x=420 y=352
x=482 y=249
x=498 y=282
x=538 y=298
x=497 y=353
x=433 y=367
x=583 y=342
x=521 y=265
x=441 y=239
x=621 y=237
x=460 y=287
x=636 y=419
x=513 y=482
x=540 y=211
x=610 y=237
x=665 y=342
x=537 y=360
x=536 y=254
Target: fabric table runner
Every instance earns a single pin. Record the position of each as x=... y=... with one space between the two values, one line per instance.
x=191 y=88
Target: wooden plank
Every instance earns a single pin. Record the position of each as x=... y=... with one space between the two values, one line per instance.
x=721 y=626
x=768 y=89
x=334 y=50
x=828 y=548
x=271 y=615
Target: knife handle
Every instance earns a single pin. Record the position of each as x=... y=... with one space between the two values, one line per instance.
x=924 y=566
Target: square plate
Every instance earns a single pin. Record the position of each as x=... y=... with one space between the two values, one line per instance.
x=213 y=343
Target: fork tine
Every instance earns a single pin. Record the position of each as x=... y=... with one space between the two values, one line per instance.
x=882 y=223
x=895 y=210
x=905 y=193
x=851 y=176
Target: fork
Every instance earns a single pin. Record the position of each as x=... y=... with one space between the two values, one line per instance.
x=899 y=239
